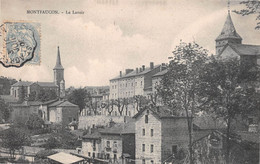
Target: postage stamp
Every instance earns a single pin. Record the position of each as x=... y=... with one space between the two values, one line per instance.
x=21 y=44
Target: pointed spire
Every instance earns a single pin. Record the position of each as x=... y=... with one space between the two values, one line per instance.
x=58 y=61
x=228 y=30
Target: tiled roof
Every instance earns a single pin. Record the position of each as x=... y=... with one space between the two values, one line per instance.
x=46 y=84
x=134 y=73
x=228 y=30
x=67 y=103
x=22 y=83
x=62 y=103
x=94 y=135
x=161 y=73
x=49 y=102
x=123 y=128
x=160 y=112
x=245 y=49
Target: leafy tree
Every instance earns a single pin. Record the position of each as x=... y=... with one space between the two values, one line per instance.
x=4 y=111
x=41 y=156
x=52 y=143
x=45 y=95
x=34 y=122
x=181 y=87
x=251 y=7
x=233 y=96
x=79 y=97
x=13 y=139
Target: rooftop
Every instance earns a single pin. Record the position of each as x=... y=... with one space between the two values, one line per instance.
x=246 y=49
x=160 y=112
x=62 y=157
x=123 y=128
x=134 y=73
x=161 y=73
x=228 y=30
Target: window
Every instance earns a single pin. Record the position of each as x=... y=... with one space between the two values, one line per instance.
x=143 y=147
x=141 y=83
x=115 y=144
x=152 y=162
x=143 y=132
x=89 y=154
x=108 y=143
x=143 y=161
x=146 y=119
x=151 y=132
x=93 y=155
x=151 y=148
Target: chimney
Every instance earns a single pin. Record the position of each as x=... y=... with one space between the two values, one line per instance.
x=143 y=66
x=136 y=70
x=127 y=71
x=120 y=73
x=151 y=65
x=140 y=69
x=163 y=66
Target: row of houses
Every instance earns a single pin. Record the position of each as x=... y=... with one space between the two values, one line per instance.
x=156 y=136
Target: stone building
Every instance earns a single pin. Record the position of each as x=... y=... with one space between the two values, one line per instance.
x=59 y=112
x=24 y=110
x=58 y=85
x=133 y=82
x=159 y=135
x=229 y=44
x=113 y=144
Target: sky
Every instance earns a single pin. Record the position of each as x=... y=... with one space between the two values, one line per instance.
x=113 y=35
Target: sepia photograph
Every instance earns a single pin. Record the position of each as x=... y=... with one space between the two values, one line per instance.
x=130 y=81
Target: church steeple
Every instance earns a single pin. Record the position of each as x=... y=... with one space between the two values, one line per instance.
x=58 y=61
x=58 y=71
x=227 y=35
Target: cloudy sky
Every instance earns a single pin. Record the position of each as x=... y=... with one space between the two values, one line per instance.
x=113 y=35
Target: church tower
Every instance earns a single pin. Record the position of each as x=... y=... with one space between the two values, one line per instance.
x=59 y=76
x=227 y=35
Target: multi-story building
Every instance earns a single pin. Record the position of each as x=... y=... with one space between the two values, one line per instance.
x=58 y=85
x=159 y=135
x=114 y=144
x=133 y=82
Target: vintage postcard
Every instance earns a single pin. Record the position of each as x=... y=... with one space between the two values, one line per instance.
x=130 y=81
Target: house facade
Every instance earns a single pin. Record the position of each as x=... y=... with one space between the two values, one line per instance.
x=59 y=112
x=159 y=135
x=114 y=144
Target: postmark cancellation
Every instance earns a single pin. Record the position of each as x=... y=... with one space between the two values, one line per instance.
x=20 y=44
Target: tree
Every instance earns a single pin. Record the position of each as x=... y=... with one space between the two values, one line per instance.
x=34 y=122
x=43 y=95
x=233 y=96
x=4 y=111
x=13 y=139
x=181 y=87
x=251 y=7
x=79 y=97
